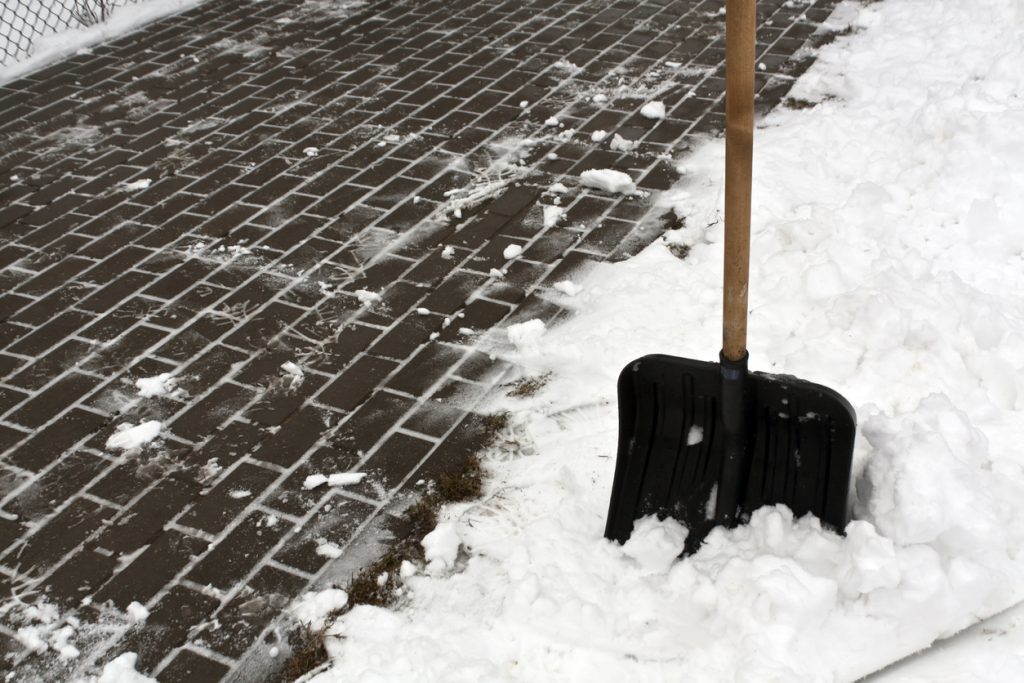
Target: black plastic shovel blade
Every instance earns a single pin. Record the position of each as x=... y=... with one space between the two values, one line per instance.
x=797 y=444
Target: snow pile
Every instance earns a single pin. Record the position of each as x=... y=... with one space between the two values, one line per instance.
x=887 y=263
x=653 y=110
x=159 y=385
x=609 y=180
x=441 y=547
x=313 y=608
x=128 y=437
x=122 y=670
x=526 y=336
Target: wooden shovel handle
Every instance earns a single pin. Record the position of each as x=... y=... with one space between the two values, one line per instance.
x=740 y=29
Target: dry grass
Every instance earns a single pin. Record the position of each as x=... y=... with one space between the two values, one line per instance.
x=528 y=386
x=379 y=584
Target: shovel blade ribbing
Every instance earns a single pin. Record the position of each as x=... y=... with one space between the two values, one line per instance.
x=798 y=435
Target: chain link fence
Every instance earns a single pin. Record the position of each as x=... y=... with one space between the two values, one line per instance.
x=23 y=22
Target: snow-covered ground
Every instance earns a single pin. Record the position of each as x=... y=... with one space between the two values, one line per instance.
x=888 y=263
x=51 y=46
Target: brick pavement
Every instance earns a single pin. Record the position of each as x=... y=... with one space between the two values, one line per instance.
x=303 y=169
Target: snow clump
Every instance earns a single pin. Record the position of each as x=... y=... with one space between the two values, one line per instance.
x=653 y=110
x=128 y=437
x=609 y=180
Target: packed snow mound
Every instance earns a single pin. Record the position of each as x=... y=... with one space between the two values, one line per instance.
x=887 y=262
x=609 y=180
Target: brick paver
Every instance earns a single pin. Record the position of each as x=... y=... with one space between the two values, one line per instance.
x=325 y=183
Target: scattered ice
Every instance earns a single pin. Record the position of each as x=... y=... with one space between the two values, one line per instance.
x=338 y=479
x=129 y=437
x=329 y=550
x=552 y=215
x=137 y=185
x=608 y=180
x=512 y=251
x=653 y=110
x=366 y=297
x=160 y=385
x=621 y=144
x=292 y=369
x=136 y=611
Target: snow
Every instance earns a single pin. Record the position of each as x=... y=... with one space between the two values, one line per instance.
x=567 y=287
x=552 y=215
x=552 y=122
x=137 y=612
x=366 y=297
x=122 y=20
x=338 y=479
x=441 y=547
x=129 y=437
x=312 y=608
x=621 y=144
x=122 y=670
x=609 y=180
x=329 y=550
x=598 y=135
x=159 y=385
x=653 y=110
x=137 y=185
x=887 y=262
x=512 y=251
x=525 y=336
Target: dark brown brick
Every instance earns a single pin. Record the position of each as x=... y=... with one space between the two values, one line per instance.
x=238 y=552
x=296 y=436
x=148 y=573
x=391 y=463
x=356 y=383
x=139 y=524
x=70 y=475
x=215 y=509
x=190 y=667
x=242 y=620
x=51 y=365
x=47 y=445
x=167 y=626
x=58 y=536
x=213 y=410
x=53 y=332
x=336 y=525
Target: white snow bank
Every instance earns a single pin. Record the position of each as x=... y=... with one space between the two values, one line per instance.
x=127 y=437
x=887 y=262
x=609 y=180
x=122 y=20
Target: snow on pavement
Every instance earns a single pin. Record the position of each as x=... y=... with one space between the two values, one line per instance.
x=887 y=263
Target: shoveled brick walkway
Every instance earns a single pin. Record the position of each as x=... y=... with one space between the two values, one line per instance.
x=300 y=156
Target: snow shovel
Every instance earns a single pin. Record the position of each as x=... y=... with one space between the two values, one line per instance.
x=709 y=443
